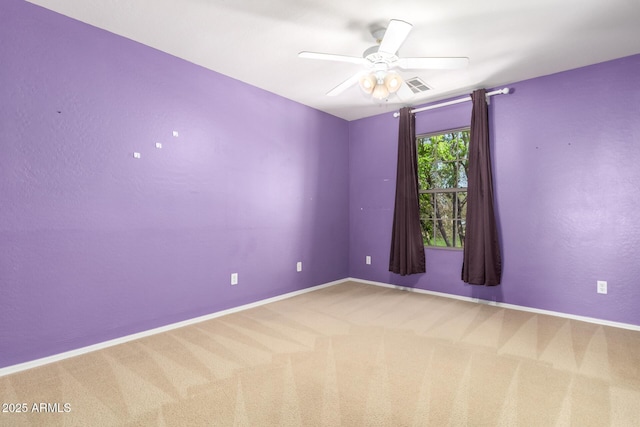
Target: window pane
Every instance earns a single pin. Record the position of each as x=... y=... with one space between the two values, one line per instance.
x=426 y=206
x=427 y=149
x=427 y=232
x=434 y=179
x=444 y=233
x=423 y=178
x=463 y=144
x=462 y=174
x=460 y=230
x=425 y=163
x=462 y=204
x=444 y=175
x=444 y=205
x=434 y=141
x=446 y=151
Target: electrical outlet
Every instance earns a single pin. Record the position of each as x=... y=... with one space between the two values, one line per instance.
x=602 y=287
x=234 y=278
x=367 y=260
x=299 y=266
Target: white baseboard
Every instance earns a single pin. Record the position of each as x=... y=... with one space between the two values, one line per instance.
x=105 y=344
x=503 y=305
x=99 y=346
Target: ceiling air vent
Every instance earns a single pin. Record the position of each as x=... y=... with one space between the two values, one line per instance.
x=417 y=85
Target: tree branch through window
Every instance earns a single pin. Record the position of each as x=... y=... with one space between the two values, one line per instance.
x=442 y=174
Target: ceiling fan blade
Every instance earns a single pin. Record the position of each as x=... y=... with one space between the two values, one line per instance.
x=331 y=57
x=394 y=36
x=404 y=93
x=432 y=63
x=345 y=84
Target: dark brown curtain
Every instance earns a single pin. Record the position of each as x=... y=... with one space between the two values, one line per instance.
x=407 y=249
x=482 y=263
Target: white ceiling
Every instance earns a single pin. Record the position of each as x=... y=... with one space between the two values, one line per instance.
x=257 y=41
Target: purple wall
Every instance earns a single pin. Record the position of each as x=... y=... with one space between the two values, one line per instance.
x=566 y=152
x=95 y=244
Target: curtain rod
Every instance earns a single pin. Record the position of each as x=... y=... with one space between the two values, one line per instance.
x=503 y=91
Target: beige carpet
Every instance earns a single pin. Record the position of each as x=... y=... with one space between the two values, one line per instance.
x=351 y=355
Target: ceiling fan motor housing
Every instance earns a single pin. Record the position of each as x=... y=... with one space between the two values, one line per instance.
x=374 y=57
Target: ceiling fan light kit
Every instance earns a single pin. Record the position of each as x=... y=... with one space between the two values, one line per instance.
x=377 y=80
x=380 y=84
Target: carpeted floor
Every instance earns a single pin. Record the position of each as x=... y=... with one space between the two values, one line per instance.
x=351 y=355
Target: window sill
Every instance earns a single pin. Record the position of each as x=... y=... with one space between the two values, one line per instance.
x=444 y=248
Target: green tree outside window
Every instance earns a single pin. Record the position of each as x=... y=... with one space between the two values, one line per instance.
x=442 y=177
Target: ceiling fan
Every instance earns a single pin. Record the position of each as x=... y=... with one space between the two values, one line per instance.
x=377 y=77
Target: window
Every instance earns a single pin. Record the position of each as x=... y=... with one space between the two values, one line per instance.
x=442 y=176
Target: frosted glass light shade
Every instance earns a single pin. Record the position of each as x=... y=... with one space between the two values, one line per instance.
x=367 y=83
x=380 y=91
x=392 y=81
